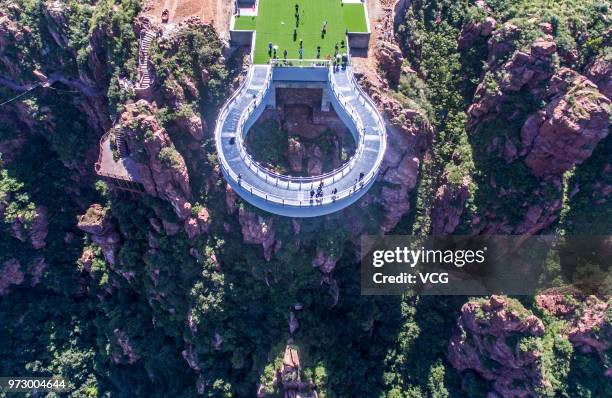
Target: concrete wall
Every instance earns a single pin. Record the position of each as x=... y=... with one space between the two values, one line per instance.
x=241 y=37
x=297 y=74
x=359 y=40
x=322 y=86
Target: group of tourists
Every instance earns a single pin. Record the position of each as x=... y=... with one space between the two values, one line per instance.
x=318 y=195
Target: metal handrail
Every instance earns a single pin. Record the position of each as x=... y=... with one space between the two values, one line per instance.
x=327 y=199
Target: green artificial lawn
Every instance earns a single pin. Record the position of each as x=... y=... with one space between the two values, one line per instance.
x=276 y=22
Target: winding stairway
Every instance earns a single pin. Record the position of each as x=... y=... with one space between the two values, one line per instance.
x=144 y=70
x=291 y=196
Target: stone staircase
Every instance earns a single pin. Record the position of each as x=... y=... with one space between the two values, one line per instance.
x=145 y=78
x=122 y=147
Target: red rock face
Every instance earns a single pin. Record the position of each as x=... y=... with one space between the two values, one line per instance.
x=166 y=181
x=448 y=207
x=523 y=69
x=472 y=30
x=97 y=222
x=567 y=130
x=258 y=230
x=390 y=60
x=10 y=274
x=484 y=329
x=600 y=73
x=588 y=329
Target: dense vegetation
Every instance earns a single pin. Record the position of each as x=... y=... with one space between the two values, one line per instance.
x=211 y=311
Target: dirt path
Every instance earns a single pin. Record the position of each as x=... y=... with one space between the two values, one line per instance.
x=217 y=12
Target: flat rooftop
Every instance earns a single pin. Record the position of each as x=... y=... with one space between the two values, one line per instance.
x=275 y=22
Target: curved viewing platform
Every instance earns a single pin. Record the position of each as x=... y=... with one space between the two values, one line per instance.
x=300 y=196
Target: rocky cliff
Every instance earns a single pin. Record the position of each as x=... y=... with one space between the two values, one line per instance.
x=506 y=343
x=527 y=113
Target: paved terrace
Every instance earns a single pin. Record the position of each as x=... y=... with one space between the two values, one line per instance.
x=290 y=196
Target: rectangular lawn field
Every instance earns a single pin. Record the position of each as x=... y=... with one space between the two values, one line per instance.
x=276 y=23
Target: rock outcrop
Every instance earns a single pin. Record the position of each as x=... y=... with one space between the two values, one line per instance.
x=34 y=230
x=90 y=76
x=497 y=338
x=589 y=328
x=36 y=269
x=407 y=136
x=473 y=30
x=98 y=223
x=40 y=228
x=161 y=166
x=197 y=225
x=567 y=130
x=408 y=131
x=324 y=262
x=127 y=351
x=486 y=341
x=448 y=206
x=258 y=230
x=390 y=60
x=10 y=274
x=524 y=69
x=295 y=154
x=600 y=73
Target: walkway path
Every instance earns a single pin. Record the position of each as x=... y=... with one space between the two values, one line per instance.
x=144 y=69
x=291 y=196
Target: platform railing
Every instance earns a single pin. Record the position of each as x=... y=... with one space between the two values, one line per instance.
x=302 y=182
x=308 y=181
x=299 y=63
